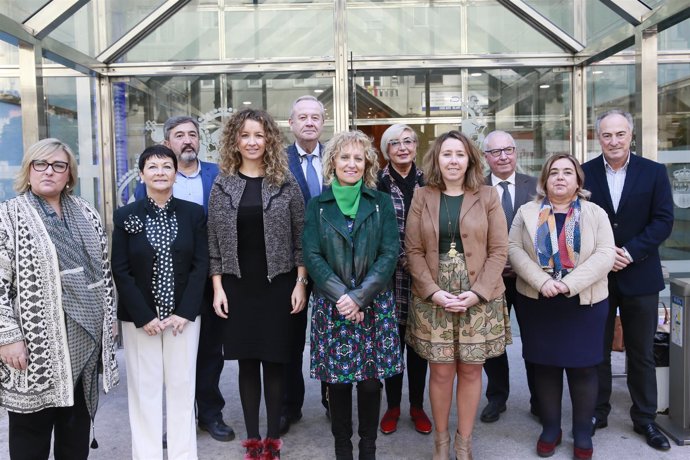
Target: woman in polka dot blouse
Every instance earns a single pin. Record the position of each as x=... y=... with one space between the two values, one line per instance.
x=160 y=265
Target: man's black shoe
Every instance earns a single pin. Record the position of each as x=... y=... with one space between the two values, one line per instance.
x=655 y=438
x=598 y=423
x=218 y=430
x=492 y=412
x=286 y=420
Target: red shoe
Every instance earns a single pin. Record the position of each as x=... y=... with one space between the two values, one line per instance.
x=582 y=454
x=254 y=448
x=420 y=419
x=547 y=449
x=389 y=422
x=271 y=449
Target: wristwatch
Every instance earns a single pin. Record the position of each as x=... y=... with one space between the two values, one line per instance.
x=303 y=280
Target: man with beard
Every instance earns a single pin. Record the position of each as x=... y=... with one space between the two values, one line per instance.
x=193 y=183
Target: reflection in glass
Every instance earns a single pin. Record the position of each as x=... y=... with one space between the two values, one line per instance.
x=78 y=31
x=20 y=11
x=674 y=151
x=437 y=29
x=533 y=104
x=676 y=37
x=10 y=135
x=122 y=15
x=143 y=104
x=601 y=20
x=560 y=12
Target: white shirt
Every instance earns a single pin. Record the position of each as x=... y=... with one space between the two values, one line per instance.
x=316 y=161
x=616 y=181
x=495 y=181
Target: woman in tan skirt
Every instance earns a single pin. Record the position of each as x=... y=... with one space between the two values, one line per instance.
x=456 y=243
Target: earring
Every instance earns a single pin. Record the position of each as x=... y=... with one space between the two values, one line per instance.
x=67 y=187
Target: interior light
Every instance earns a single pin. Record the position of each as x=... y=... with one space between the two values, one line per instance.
x=247 y=103
x=476 y=74
x=544 y=86
x=597 y=72
x=318 y=91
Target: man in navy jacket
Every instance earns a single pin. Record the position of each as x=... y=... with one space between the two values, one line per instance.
x=636 y=194
x=193 y=183
x=304 y=159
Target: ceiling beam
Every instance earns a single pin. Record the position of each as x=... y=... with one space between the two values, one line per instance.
x=51 y=15
x=632 y=11
x=137 y=33
x=543 y=25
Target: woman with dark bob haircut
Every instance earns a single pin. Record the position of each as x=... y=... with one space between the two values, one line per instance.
x=255 y=223
x=160 y=263
x=456 y=242
x=561 y=248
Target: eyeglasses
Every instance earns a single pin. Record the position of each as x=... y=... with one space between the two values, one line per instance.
x=42 y=165
x=407 y=142
x=497 y=152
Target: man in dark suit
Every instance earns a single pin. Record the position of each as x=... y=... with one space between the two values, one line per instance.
x=514 y=189
x=304 y=159
x=193 y=183
x=636 y=194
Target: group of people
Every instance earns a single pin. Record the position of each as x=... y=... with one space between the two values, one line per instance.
x=219 y=262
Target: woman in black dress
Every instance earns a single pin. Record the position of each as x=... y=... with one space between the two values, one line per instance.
x=561 y=247
x=255 y=223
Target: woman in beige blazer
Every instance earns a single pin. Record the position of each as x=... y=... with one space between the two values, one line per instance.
x=456 y=243
x=561 y=247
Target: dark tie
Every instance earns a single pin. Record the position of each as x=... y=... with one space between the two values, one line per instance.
x=312 y=178
x=507 y=203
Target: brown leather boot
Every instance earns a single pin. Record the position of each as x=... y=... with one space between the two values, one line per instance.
x=463 y=447
x=441 y=445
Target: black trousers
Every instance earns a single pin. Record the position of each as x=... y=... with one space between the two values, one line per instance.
x=639 y=317
x=30 y=434
x=497 y=370
x=209 y=363
x=293 y=379
x=416 y=377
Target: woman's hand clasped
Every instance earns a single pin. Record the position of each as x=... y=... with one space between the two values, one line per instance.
x=455 y=303
x=154 y=327
x=15 y=355
x=551 y=288
x=349 y=309
x=177 y=323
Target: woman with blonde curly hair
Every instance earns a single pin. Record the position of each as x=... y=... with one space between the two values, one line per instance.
x=351 y=248
x=255 y=223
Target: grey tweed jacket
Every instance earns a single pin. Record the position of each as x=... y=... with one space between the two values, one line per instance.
x=283 y=209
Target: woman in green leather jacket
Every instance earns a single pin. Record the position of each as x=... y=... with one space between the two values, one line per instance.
x=350 y=249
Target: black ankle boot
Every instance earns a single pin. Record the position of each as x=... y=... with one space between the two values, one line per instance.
x=368 y=407
x=340 y=408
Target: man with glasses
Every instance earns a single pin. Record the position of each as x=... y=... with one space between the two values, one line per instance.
x=193 y=183
x=304 y=159
x=636 y=194
x=514 y=189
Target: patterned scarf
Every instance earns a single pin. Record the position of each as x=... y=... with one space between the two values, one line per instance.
x=78 y=248
x=558 y=253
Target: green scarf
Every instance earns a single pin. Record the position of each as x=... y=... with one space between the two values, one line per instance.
x=347 y=197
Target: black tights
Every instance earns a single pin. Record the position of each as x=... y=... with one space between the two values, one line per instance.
x=583 y=385
x=250 y=395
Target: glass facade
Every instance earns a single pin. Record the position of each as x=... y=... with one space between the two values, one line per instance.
x=474 y=65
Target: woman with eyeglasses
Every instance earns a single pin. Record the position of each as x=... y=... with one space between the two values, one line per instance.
x=456 y=241
x=56 y=309
x=399 y=179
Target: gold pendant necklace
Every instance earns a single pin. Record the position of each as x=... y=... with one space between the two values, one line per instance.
x=452 y=252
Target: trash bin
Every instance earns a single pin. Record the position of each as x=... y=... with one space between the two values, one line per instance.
x=677 y=424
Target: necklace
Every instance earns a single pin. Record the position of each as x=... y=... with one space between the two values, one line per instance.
x=452 y=252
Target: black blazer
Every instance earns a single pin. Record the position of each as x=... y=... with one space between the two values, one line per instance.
x=132 y=262
x=643 y=221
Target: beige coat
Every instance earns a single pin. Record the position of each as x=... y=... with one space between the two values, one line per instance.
x=483 y=231
x=597 y=254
